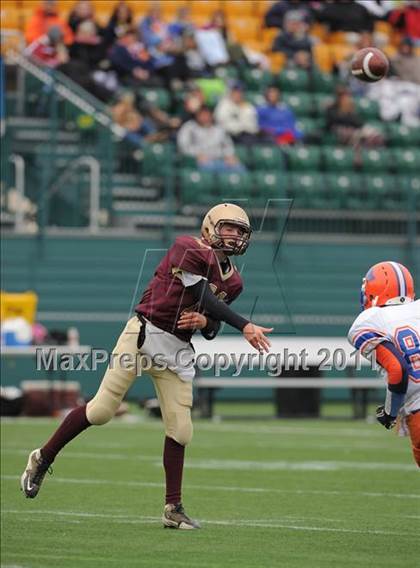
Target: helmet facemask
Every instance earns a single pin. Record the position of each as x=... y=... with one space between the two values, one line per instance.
x=231 y=244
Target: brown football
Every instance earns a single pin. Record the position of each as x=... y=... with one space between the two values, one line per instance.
x=369 y=64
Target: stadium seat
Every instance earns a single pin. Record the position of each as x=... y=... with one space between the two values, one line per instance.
x=158 y=159
x=256 y=79
x=382 y=192
x=197 y=187
x=368 y=109
x=244 y=155
x=300 y=103
x=406 y=160
x=402 y=135
x=321 y=101
x=322 y=82
x=292 y=80
x=257 y=99
x=323 y=57
x=309 y=190
x=277 y=61
x=343 y=186
x=338 y=159
x=242 y=9
x=309 y=125
x=234 y=185
x=303 y=157
x=157 y=97
x=241 y=29
x=269 y=185
x=204 y=7
x=376 y=160
x=267 y=158
x=226 y=73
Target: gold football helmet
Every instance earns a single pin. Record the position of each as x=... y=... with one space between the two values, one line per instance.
x=226 y=213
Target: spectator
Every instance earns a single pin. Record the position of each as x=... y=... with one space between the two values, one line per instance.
x=49 y=50
x=88 y=47
x=346 y=16
x=237 y=116
x=182 y=24
x=42 y=19
x=208 y=143
x=125 y=114
x=407 y=20
x=406 y=64
x=130 y=58
x=165 y=50
x=274 y=18
x=294 y=40
x=343 y=120
x=276 y=121
x=194 y=100
x=82 y=11
x=119 y=23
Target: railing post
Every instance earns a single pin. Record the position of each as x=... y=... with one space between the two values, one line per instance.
x=19 y=164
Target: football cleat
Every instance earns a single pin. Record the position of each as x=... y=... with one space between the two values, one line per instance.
x=385 y=284
x=33 y=476
x=174 y=517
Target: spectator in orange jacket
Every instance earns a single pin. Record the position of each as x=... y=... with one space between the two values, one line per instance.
x=42 y=19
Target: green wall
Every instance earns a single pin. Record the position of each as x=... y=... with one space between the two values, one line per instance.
x=308 y=288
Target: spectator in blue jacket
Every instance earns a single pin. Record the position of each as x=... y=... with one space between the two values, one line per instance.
x=130 y=58
x=276 y=121
x=164 y=46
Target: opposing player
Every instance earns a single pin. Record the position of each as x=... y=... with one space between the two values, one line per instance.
x=190 y=290
x=390 y=325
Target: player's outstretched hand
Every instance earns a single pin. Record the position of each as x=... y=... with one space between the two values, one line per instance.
x=255 y=335
x=192 y=320
x=385 y=419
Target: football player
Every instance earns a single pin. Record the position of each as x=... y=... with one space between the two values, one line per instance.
x=389 y=325
x=191 y=289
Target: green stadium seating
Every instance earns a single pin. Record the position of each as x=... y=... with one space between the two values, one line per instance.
x=376 y=160
x=158 y=159
x=157 y=97
x=244 y=155
x=407 y=160
x=343 y=186
x=309 y=125
x=292 y=80
x=197 y=187
x=322 y=82
x=338 y=159
x=402 y=135
x=382 y=192
x=269 y=185
x=256 y=79
x=226 y=73
x=309 y=190
x=299 y=102
x=234 y=185
x=257 y=99
x=320 y=103
x=303 y=157
x=267 y=158
x=367 y=109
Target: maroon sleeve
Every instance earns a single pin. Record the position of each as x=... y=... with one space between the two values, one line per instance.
x=189 y=255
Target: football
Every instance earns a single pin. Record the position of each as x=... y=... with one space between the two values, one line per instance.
x=369 y=65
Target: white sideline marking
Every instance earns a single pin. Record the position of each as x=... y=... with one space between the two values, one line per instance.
x=310 y=430
x=227 y=488
x=240 y=465
x=245 y=523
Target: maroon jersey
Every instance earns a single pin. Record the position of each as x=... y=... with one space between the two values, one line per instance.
x=166 y=297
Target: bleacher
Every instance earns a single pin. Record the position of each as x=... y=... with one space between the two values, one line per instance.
x=139 y=192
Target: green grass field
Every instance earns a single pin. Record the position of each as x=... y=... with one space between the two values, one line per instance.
x=294 y=494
